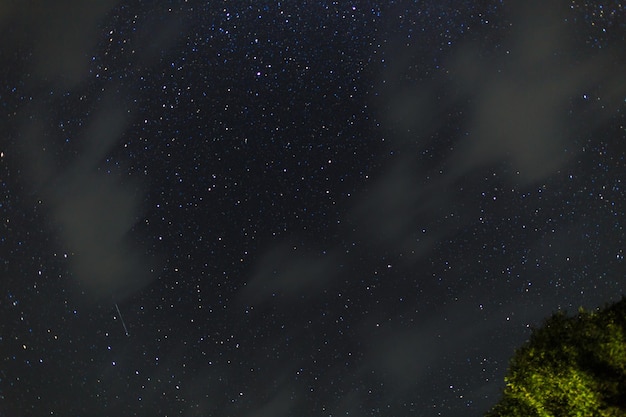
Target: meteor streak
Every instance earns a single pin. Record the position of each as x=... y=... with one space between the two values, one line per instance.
x=122 y=319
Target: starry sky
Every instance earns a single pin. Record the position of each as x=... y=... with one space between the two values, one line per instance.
x=299 y=208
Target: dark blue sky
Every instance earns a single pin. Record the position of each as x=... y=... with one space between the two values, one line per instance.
x=300 y=208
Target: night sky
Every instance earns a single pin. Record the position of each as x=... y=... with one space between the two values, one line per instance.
x=300 y=208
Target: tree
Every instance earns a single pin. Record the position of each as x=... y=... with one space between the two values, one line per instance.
x=570 y=366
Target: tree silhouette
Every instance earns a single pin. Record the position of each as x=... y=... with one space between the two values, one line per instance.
x=570 y=366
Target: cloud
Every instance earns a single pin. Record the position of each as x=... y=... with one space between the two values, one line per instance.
x=504 y=106
x=92 y=211
x=290 y=271
x=281 y=404
x=95 y=215
x=520 y=97
x=402 y=211
x=60 y=36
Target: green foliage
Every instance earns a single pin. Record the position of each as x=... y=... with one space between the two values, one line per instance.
x=571 y=366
